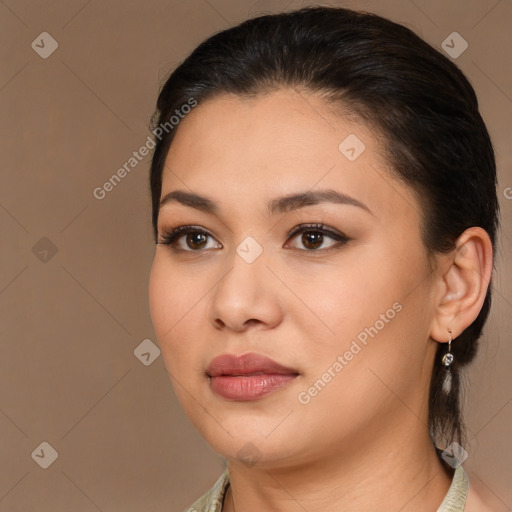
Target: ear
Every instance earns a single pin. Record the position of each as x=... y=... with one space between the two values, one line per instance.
x=465 y=279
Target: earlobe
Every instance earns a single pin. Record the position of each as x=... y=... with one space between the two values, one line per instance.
x=465 y=284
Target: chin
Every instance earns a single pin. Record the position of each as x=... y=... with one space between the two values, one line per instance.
x=245 y=440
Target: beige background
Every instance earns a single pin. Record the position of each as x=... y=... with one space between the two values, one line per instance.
x=71 y=320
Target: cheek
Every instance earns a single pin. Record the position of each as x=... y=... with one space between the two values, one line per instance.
x=362 y=304
x=172 y=305
x=174 y=308
x=162 y=303
x=339 y=300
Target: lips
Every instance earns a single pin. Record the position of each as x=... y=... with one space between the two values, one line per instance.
x=247 y=377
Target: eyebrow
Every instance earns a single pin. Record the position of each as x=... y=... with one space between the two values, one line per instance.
x=279 y=205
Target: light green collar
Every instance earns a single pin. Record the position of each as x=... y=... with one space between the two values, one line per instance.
x=454 y=501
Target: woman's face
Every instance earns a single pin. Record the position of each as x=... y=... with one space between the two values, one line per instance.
x=344 y=308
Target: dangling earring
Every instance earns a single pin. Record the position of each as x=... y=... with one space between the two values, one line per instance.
x=447 y=361
x=448 y=357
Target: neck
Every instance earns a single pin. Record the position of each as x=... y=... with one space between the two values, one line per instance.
x=394 y=470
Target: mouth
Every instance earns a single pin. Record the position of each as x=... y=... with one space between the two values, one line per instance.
x=247 y=377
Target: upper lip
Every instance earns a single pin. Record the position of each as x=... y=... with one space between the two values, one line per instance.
x=246 y=364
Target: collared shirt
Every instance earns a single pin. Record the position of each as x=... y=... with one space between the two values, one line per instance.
x=454 y=501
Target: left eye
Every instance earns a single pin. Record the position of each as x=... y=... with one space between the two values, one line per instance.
x=314 y=237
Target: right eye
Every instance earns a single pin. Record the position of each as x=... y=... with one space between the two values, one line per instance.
x=195 y=239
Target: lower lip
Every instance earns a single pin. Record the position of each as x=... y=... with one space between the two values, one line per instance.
x=248 y=387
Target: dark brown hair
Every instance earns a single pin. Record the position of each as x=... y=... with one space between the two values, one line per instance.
x=419 y=100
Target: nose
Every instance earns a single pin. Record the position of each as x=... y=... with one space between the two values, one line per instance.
x=246 y=296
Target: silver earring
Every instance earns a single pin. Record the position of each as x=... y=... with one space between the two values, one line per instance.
x=447 y=360
x=448 y=357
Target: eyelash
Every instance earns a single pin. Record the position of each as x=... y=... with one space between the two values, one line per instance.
x=170 y=237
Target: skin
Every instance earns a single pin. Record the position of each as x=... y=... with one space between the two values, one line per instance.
x=362 y=442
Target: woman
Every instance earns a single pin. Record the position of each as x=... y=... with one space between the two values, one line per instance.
x=325 y=210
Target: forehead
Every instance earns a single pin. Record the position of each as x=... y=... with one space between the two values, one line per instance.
x=278 y=124
x=278 y=143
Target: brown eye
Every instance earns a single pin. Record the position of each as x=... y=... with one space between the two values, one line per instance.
x=312 y=239
x=196 y=240
x=189 y=238
x=316 y=238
